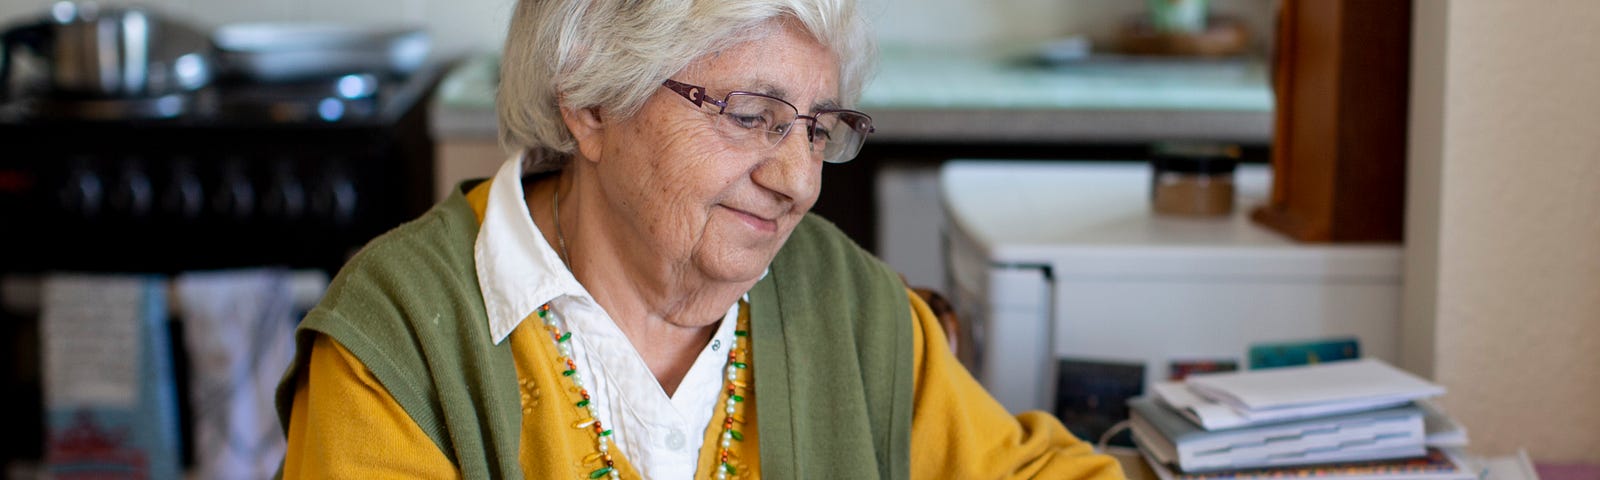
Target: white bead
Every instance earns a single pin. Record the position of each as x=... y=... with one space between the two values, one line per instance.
x=603 y=446
x=722 y=474
x=593 y=411
x=727 y=435
x=730 y=409
x=726 y=443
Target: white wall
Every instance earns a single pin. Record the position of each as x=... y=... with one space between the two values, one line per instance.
x=1009 y=22
x=1503 y=292
x=477 y=25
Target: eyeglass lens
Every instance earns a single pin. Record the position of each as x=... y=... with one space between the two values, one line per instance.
x=761 y=121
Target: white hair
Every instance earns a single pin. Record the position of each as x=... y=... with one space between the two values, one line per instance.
x=613 y=54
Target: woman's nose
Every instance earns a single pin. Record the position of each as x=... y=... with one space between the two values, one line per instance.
x=794 y=168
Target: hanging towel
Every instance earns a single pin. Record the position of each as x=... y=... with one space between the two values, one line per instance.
x=239 y=328
x=109 y=398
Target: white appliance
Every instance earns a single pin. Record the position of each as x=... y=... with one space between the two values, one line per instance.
x=1056 y=260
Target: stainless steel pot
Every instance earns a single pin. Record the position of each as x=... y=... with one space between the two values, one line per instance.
x=110 y=52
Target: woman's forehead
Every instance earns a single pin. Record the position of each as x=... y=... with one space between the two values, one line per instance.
x=788 y=63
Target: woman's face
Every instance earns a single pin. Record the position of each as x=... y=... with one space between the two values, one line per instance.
x=707 y=206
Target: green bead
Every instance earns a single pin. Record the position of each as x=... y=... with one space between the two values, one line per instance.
x=606 y=433
x=568 y=372
x=739 y=365
x=583 y=403
x=730 y=469
x=738 y=398
x=565 y=337
x=603 y=471
x=741 y=333
x=542 y=312
x=736 y=435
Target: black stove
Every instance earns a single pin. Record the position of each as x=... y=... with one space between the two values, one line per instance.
x=237 y=174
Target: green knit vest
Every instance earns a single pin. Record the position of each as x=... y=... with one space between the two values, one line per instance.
x=830 y=326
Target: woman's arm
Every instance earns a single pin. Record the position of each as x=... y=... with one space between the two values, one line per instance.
x=346 y=425
x=959 y=431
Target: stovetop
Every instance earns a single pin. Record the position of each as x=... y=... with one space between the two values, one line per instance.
x=347 y=100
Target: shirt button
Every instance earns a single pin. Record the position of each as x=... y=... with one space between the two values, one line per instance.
x=675 y=439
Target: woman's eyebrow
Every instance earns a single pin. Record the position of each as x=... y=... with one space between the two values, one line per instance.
x=766 y=88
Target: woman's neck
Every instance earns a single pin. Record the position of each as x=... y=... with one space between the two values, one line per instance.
x=667 y=312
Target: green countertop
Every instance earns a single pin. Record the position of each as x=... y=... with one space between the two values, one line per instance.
x=999 y=96
x=923 y=79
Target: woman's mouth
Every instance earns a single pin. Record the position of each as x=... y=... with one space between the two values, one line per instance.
x=760 y=223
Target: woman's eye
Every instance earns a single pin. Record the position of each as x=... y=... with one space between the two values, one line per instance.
x=820 y=134
x=749 y=121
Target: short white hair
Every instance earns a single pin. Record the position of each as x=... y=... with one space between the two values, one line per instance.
x=613 y=54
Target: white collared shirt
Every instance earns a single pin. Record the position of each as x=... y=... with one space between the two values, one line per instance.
x=518 y=271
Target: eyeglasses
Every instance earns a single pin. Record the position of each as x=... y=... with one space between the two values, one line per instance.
x=758 y=121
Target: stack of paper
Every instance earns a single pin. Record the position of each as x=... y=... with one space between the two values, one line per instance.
x=1374 y=435
x=1239 y=399
x=1348 y=411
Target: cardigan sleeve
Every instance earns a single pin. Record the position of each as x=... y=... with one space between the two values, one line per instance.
x=959 y=431
x=346 y=425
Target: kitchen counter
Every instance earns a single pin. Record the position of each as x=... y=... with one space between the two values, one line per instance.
x=985 y=96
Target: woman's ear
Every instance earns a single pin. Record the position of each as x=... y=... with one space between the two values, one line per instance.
x=586 y=126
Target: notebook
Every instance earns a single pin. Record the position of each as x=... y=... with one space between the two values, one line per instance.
x=1435 y=465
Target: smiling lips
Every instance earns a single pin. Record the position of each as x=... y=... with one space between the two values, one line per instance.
x=760 y=223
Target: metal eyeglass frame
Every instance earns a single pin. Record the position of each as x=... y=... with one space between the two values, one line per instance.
x=697 y=95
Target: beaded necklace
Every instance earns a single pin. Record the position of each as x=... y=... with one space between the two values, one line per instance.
x=602 y=456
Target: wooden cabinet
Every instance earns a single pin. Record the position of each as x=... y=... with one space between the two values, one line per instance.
x=1340 y=79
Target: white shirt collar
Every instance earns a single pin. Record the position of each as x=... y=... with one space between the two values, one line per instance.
x=517 y=269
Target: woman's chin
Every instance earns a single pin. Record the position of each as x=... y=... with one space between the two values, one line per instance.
x=736 y=265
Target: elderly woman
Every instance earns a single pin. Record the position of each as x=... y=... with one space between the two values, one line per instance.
x=641 y=293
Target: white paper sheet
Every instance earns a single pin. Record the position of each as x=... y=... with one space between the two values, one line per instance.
x=1364 y=380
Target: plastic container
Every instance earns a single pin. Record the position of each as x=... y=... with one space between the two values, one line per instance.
x=1193 y=180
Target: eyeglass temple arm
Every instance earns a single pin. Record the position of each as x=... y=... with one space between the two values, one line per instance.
x=693 y=93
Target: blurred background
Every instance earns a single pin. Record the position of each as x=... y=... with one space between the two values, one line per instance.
x=1110 y=193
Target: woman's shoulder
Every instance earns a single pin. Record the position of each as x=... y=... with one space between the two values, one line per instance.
x=422 y=262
